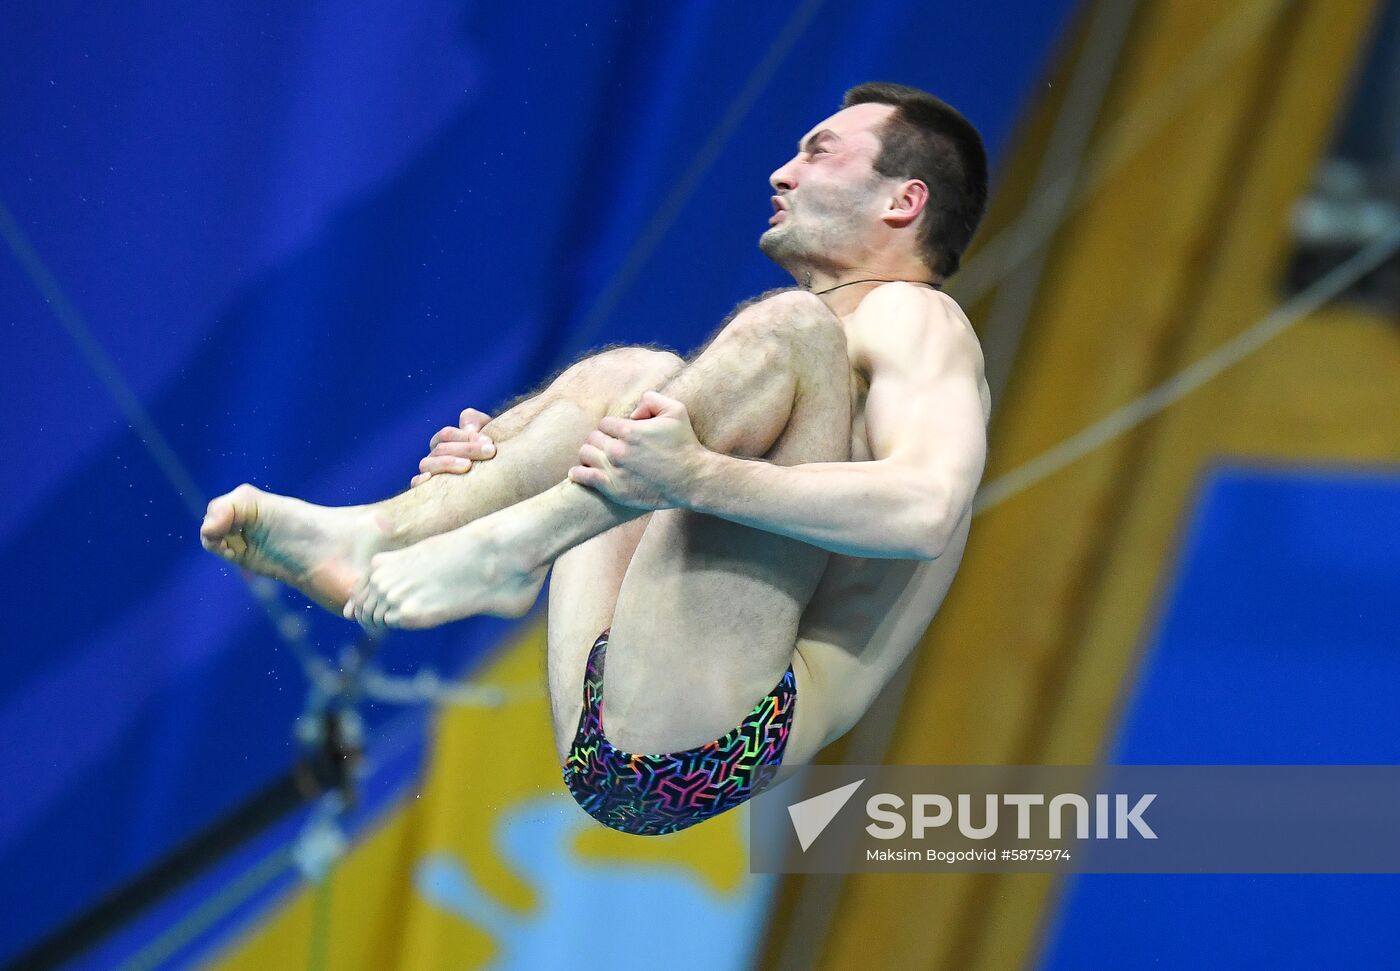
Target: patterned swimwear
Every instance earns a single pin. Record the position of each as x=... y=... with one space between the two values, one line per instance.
x=652 y=795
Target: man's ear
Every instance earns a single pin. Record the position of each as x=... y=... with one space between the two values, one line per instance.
x=907 y=201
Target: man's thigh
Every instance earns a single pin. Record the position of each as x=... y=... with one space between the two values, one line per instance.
x=705 y=622
x=583 y=590
x=704 y=627
x=583 y=594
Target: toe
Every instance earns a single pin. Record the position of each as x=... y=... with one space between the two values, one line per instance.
x=218 y=520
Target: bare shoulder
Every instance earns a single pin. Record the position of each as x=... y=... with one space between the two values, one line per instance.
x=903 y=328
x=893 y=315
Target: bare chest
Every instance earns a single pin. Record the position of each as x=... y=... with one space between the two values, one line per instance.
x=868 y=614
x=855 y=592
x=860 y=440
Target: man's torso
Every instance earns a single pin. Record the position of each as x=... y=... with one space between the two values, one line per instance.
x=866 y=615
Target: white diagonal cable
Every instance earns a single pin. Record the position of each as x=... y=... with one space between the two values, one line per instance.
x=1179 y=385
x=655 y=231
x=284 y=622
x=991 y=262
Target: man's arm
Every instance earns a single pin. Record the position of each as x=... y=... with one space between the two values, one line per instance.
x=926 y=416
x=879 y=509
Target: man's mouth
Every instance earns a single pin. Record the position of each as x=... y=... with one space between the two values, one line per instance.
x=779 y=209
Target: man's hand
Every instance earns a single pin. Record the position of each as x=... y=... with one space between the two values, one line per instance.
x=453 y=450
x=648 y=461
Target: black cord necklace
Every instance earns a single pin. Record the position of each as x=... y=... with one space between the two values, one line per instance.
x=874 y=280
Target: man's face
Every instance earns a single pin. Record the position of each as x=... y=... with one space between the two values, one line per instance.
x=829 y=195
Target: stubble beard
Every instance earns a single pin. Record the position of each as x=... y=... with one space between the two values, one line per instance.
x=820 y=241
x=799 y=247
x=783 y=245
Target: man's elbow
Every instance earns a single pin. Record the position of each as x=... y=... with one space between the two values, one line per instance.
x=938 y=525
x=934 y=545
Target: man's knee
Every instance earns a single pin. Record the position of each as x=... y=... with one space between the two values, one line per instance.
x=632 y=371
x=789 y=316
x=635 y=362
x=611 y=374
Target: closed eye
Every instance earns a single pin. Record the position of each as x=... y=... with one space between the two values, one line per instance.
x=817 y=142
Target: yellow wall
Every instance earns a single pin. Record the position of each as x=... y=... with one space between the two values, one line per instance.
x=1180 y=249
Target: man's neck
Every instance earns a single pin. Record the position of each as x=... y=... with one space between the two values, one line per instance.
x=843 y=290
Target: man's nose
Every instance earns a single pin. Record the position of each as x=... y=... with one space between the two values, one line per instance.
x=783 y=179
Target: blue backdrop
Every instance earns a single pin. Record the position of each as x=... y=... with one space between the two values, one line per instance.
x=307 y=235
x=1277 y=645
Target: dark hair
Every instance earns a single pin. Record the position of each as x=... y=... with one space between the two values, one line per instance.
x=928 y=139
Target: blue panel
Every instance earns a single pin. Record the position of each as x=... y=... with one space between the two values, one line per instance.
x=308 y=235
x=1279 y=643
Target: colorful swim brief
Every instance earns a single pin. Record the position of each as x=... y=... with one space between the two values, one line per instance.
x=652 y=795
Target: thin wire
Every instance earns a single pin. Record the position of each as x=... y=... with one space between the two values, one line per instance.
x=426 y=686
x=1061 y=163
x=67 y=315
x=225 y=900
x=1018 y=242
x=924 y=283
x=1004 y=252
x=686 y=185
x=320 y=931
x=1179 y=385
x=288 y=626
x=992 y=261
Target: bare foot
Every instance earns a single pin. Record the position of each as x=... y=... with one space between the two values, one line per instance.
x=444 y=578
x=321 y=551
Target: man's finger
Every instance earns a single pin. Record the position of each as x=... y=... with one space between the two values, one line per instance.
x=475 y=449
x=658 y=404
x=586 y=476
x=418 y=480
x=453 y=434
x=614 y=426
x=591 y=455
x=442 y=434
x=438 y=464
x=470 y=416
x=461 y=436
x=442 y=463
x=661 y=401
x=446 y=453
x=477 y=446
